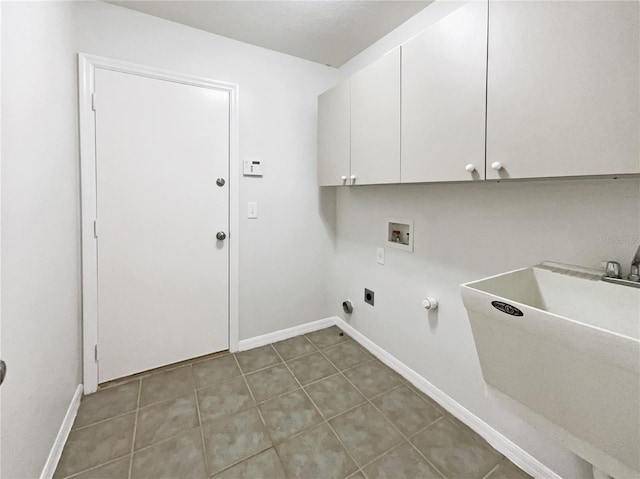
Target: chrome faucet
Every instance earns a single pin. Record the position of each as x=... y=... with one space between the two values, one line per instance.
x=634 y=274
x=612 y=272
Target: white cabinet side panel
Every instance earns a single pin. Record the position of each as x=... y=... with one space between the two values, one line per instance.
x=334 y=136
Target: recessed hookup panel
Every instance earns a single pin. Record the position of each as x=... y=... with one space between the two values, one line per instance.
x=399 y=234
x=368 y=296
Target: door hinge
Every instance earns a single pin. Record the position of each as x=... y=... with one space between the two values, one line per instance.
x=95 y=228
x=95 y=352
x=93 y=101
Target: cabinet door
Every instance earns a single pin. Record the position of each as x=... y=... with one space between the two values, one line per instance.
x=334 y=142
x=443 y=99
x=375 y=122
x=563 y=89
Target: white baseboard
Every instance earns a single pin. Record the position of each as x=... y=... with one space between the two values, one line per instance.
x=269 y=338
x=513 y=452
x=65 y=428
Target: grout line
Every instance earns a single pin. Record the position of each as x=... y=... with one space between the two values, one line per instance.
x=324 y=419
x=135 y=428
x=421 y=430
x=240 y=461
x=162 y=369
x=166 y=439
x=273 y=444
x=93 y=468
x=117 y=416
x=359 y=468
x=204 y=447
x=403 y=436
x=319 y=413
x=302 y=388
x=315 y=348
x=243 y=372
x=486 y=476
x=259 y=403
x=256 y=403
x=425 y=458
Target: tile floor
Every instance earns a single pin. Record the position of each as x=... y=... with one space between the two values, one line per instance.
x=314 y=406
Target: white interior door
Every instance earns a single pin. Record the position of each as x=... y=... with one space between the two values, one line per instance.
x=162 y=275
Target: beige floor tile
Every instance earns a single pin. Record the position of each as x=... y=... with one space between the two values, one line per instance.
x=233 y=438
x=317 y=454
x=163 y=420
x=365 y=433
x=108 y=403
x=455 y=453
x=271 y=382
x=294 y=347
x=225 y=398
x=406 y=410
x=166 y=385
x=265 y=465
x=213 y=371
x=289 y=414
x=401 y=463
x=311 y=368
x=178 y=457
x=97 y=444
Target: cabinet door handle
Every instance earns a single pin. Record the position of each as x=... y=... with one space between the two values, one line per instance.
x=353 y=179
x=470 y=168
x=496 y=165
x=343 y=178
x=3 y=371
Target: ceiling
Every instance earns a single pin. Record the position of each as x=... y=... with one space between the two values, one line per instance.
x=323 y=31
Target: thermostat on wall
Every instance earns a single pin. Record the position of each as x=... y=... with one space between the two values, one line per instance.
x=252 y=167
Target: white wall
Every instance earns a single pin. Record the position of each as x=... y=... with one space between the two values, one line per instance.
x=283 y=267
x=284 y=272
x=464 y=232
x=40 y=244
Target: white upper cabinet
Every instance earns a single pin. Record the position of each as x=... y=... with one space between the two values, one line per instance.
x=375 y=122
x=563 y=89
x=334 y=140
x=444 y=98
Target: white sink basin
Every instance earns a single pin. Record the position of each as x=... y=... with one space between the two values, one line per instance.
x=566 y=346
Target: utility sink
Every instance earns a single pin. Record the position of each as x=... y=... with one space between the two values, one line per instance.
x=565 y=346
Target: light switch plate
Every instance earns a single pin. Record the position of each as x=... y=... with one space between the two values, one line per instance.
x=380 y=255
x=252 y=210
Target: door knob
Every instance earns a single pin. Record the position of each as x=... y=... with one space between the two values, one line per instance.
x=470 y=168
x=220 y=235
x=220 y=182
x=3 y=371
x=496 y=165
x=343 y=178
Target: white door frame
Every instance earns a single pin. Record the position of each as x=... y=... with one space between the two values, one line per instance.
x=87 y=65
